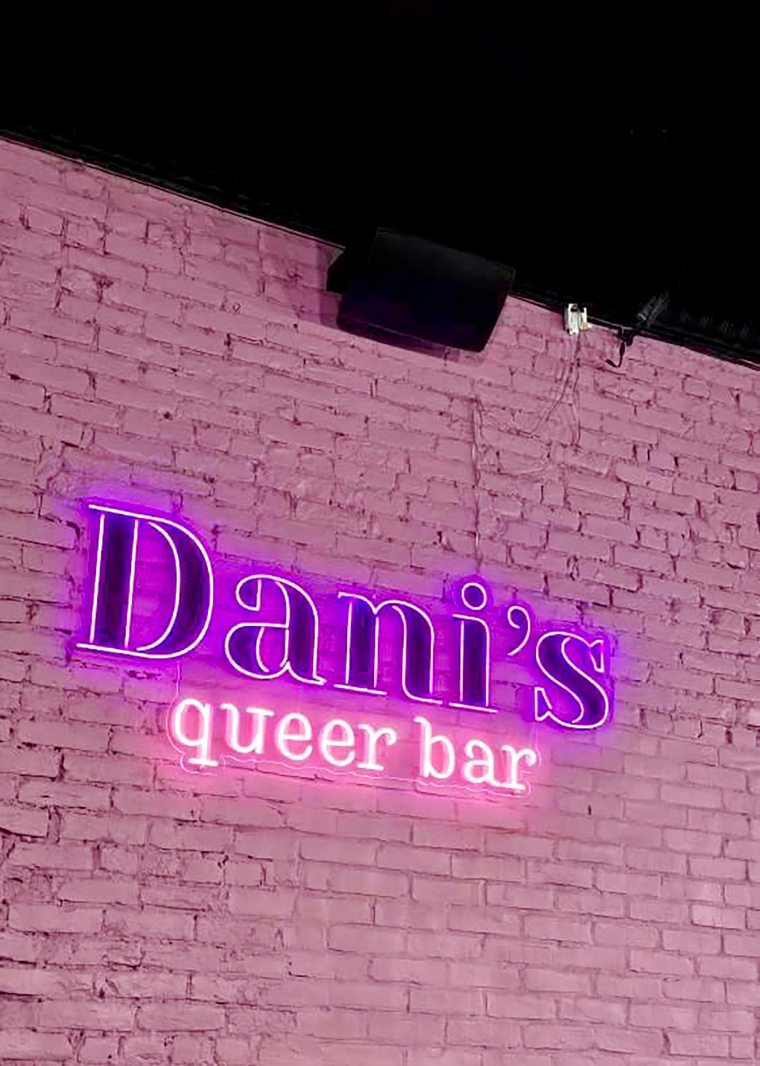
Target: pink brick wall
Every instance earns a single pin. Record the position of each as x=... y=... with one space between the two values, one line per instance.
x=186 y=357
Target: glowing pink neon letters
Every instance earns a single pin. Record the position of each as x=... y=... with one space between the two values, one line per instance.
x=361 y=749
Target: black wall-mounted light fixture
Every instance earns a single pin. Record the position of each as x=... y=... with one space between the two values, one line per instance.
x=405 y=289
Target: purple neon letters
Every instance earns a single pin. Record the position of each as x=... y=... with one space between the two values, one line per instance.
x=278 y=634
x=113 y=586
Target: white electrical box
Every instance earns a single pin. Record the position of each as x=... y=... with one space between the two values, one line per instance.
x=576 y=319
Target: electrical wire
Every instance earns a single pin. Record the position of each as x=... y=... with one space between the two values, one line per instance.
x=567 y=382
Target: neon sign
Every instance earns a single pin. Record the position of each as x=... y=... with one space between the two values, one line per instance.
x=155 y=594
x=205 y=736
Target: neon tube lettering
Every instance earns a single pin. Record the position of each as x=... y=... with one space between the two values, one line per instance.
x=280 y=634
x=479 y=767
x=200 y=743
x=519 y=618
x=286 y=734
x=363 y=648
x=513 y=758
x=582 y=702
x=245 y=645
x=255 y=745
x=329 y=741
x=177 y=586
x=115 y=576
x=428 y=743
x=373 y=738
x=193 y=726
x=474 y=651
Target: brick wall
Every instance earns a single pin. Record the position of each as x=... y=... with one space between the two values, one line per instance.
x=185 y=358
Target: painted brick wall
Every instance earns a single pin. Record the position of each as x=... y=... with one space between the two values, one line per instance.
x=187 y=358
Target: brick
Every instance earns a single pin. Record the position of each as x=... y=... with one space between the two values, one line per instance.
x=695 y=990
x=63 y=734
x=23 y=821
x=399 y=857
x=659 y=962
x=148 y=985
x=17 y=948
x=232 y=812
x=703 y=1044
x=737 y=1021
x=368 y=882
x=46 y=918
x=103 y=827
x=53 y=984
x=403 y=1029
x=545 y=928
x=561 y=1036
x=27 y=1045
x=174 y=1015
x=52 y=325
x=99 y=891
x=149 y=922
x=259 y=902
x=506 y=1005
x=192 y=838
x=108 y=769
x=57 y=856
x=377 y=941
x=61 y=794
x=87 y=1015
